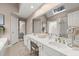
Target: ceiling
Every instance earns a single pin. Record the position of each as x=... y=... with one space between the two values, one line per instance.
x=71 y=6
x=26 y=9
x=45 y=9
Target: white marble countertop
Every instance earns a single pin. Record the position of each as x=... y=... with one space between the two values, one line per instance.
x=64 y=49
x=2 y=42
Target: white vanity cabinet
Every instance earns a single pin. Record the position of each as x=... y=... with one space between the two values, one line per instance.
x=47 y=51
x=27 y=42
x=43 y=49
x=3 y=46
x=3 y=51
x=39 y=45
x=40 y=49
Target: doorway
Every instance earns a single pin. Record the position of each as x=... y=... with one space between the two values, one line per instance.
x=22 y=29
x=14 y=29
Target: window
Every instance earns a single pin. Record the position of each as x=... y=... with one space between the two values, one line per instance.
x=2 y=28
x=1 y=20
x=59 y=9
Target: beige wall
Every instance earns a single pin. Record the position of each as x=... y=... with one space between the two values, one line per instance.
x=6 y=9
x=29 y=25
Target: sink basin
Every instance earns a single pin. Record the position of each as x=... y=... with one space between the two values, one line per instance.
x=42 y=36
x=58 y=45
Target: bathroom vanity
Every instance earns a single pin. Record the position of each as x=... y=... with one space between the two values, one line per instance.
x=3 y=46
x=49 y=48
x=61 y=25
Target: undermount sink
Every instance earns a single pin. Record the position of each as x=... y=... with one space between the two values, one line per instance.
x=58 y=45
x=42 y=36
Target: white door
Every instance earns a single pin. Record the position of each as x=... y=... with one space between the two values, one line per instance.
x=14 y=29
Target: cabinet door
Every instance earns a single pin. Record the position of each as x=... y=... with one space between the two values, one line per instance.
x=28 y=44
x=40 y=48
x=51 y=52
x=3 y=50
x=73 y=19
x=25 y=41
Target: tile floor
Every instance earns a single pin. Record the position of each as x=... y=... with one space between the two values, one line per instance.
x=17 y=49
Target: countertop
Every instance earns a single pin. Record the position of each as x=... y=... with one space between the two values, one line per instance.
x=2 y=42
x=66 y=50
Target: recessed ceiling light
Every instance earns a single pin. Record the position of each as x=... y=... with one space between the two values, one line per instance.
x=32 y=6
